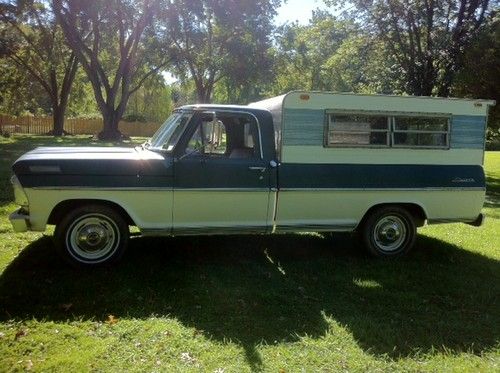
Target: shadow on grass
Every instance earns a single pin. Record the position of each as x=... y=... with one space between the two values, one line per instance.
x=273 y=288
x=492 y=191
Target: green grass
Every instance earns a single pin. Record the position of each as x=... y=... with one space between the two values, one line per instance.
x=252 y=303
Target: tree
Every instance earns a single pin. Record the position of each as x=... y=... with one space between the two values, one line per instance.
x=151 y=103
x=330 y=54
x=428 y=38
x=302 y=52
x=20 y=93
x=109 y=39
x=214 y=39
x=480 y=75
x=32 y=40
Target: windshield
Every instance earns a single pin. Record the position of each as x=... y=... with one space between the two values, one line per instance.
x=169 y=133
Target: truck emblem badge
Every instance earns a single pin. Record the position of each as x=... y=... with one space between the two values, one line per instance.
x=462 y=180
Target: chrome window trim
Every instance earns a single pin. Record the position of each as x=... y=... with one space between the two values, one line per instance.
x=391 y=121
x=388 y=113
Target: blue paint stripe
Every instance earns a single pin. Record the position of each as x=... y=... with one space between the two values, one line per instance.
x=467 y=132
x=294 y=175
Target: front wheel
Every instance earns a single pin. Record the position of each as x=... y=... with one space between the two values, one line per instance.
x=389 y=232
x=92 y=235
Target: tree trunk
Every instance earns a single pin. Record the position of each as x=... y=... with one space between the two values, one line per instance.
x=110 y=132
x=58 y=124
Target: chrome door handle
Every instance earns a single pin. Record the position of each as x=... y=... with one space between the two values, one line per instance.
x=261 y=169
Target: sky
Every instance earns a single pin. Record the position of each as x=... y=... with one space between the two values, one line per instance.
x=298 y=10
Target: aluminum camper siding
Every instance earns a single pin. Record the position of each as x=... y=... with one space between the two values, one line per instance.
x=333 y=187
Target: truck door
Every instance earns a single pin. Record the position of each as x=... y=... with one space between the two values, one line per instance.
x=221 y=181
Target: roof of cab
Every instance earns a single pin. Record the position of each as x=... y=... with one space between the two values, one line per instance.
x=218 y=107
x=260 y=113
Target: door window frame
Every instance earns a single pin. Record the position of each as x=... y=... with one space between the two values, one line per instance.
x=195 y=122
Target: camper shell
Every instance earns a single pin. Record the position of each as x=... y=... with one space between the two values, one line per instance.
x=305 y=161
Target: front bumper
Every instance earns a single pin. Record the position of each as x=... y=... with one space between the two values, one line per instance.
x=19 y=220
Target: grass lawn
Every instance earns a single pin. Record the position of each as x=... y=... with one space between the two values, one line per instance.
x=281 y=303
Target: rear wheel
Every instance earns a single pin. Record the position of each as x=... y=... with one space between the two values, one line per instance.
x=92 y=235
x=389 y=232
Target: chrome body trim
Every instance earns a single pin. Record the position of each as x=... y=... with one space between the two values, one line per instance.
x=148 y=189
x=381 y=189
x=315 y=228
x=259 y=189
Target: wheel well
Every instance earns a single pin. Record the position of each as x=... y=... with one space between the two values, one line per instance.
x=63 y=207
x=415 y=210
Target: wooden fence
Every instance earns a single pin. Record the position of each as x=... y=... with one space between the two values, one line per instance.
x=75 y=126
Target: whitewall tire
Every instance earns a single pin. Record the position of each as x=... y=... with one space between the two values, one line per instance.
x=389 y=231
x=92 y=235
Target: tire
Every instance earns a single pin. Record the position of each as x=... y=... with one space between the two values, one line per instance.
x=389 y=232
x=92 y=236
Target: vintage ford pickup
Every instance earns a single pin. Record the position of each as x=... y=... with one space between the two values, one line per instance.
x=305 y=161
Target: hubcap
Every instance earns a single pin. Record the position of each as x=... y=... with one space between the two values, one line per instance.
x=93 y=237
x=389 y=233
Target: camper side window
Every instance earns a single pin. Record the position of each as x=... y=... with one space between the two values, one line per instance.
x=358 y=130
x=377 y=130
x=422 y=132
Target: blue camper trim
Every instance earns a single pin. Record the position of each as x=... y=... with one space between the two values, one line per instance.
x=468 y=132
x=364 y=176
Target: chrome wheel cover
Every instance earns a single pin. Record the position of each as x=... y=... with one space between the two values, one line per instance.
x=390 y=233
x=92 y=238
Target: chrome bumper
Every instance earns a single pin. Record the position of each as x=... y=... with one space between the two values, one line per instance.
x=19 y=221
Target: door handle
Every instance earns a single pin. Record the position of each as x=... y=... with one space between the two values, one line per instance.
x=255 y=168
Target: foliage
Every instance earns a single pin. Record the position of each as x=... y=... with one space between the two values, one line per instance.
x=330 y=54
x=480 y=75
x=211 y=40
x=81 y=100
x=33 y=41
x=427 y=38
x=20 y=93
x=290 y=303
x=150 y=103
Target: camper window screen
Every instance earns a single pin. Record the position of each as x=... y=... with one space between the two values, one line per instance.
x=357 y=130
x=422 y=132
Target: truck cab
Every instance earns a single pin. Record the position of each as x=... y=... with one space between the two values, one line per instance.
x=224 y=171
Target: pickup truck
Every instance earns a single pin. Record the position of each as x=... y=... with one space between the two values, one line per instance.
x=305 y=161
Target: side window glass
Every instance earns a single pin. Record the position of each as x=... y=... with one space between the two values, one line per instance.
x=422 y=132
x=208 y=139
x=195 y=144
x=230 y=135
x=214 y=137
x=357 y=130
x=244 y=140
